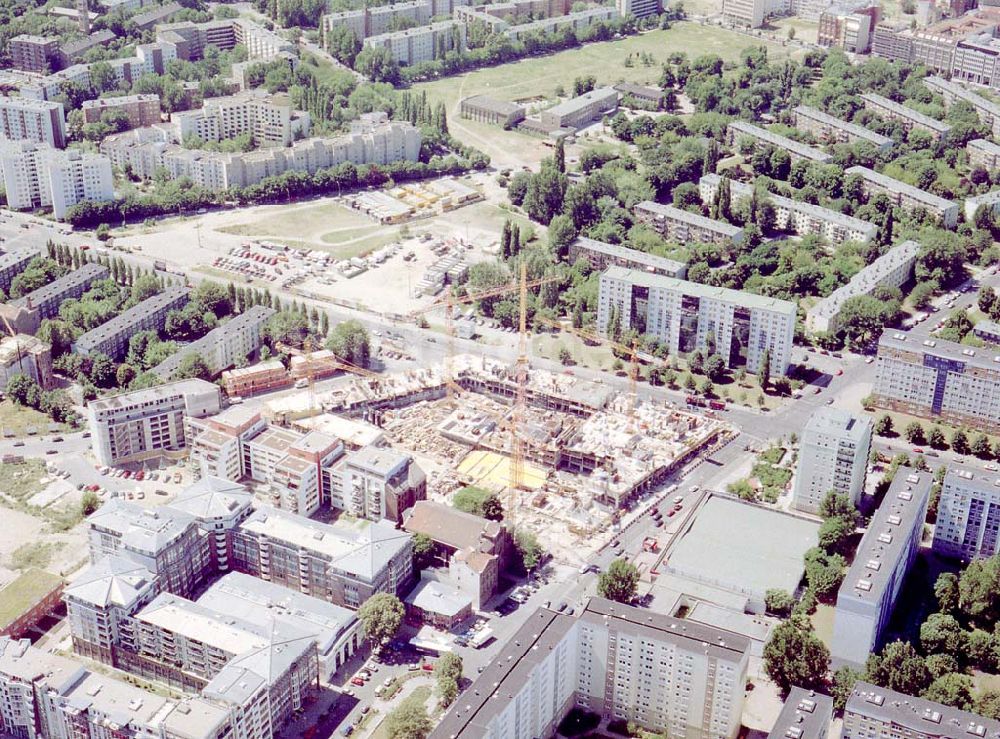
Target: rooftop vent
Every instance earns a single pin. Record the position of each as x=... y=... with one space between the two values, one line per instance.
x=894 y=519
x=864 y=585
x=931 y=715
x=885 y=537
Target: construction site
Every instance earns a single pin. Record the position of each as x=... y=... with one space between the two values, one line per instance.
x=566 y=460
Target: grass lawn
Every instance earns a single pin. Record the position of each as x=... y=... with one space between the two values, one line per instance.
x=822 y=622
x=17 y=420
x=419 y=695
x=36 y=554
x=21 y=481
x=24 y=592
x=301 y=222
x=547 y=346
x=901 y=420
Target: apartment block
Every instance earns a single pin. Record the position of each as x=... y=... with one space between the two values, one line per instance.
x=806 y=714
x=21 y=354
x=983 y=153
x=578 y=21
x=602 y=255
x=371 y=140
x=142 y=110
x=474 y=548
x=796 y=216
x=375 y=21
x=112 y=338
x=583 y=110
x=144 y=424
x=744 y=13
x=45 y=301
x=342 y=563
x=685 y=227
x=868 y=593
x=165 y=541
x=336 y=630
x=218 y=506
x=190 y=39
x=101 y=600
x=615 y=660
x=892 y=269
x=968 y=514
x=951 y=92
x=849 y=27
x=907 y=197
x=988 y=331
x=638 y=8
x=13 y=262
x=269 y=119
x=378 y=483
x=36 y=54
x=74 y=51
x=292 y=465
x=38 y=121
x=989 y=200
x=688 y=315
x=833 y=456
x=938 y=379
x=910 y=119
x=876 y=711
x=38 y=176
x=835 y=131
x=486 y=109
x=738 y=131
x=421 y=44
x=224 y=346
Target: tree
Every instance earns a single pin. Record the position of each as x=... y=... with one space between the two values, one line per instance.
x=914 y=432
x=981 y=446
x=842 y=686
x=192 y=365
x=835 y=534
x=492 y=508
x=559 y=157
x=824 y=572
x=423 y=551
x=952 y=689
x=620 y=582
x=350 y=341
x=409 y=720
x=795 y=656
x=779 y=602
x=23 y=390
x=960 y=442
x=447 y=690
x=899 y=668
x=381 y=616
x=764 y=369
x=212 y=297
x=988 y=704
x=528 y=549
x=942 y=633
x=378 y=64
x=946 y=592
x=836 y=504
x=883 y=427
x=471 y=499
x=342 y=44
x=936 y=438
x=89 y=503
x=979 y=590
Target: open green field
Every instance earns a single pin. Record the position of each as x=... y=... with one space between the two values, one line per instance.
x=18 y=420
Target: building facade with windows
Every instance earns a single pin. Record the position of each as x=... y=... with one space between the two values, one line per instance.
x=683 y=226
x=39 y=121
x=835 y=131
x=833 y=456
x=37 y=176
x=112 y=337
x=875 y=711
x=737 y=131
x=909 y=118
x=968 y=521
x=906 y=196
x=45 y=301
x=687 y=316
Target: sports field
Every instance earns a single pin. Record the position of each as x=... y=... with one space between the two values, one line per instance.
x=535 y=80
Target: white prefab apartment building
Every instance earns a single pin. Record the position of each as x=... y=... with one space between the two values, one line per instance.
x=146 y=423
x=833 y=456
x=684 y=315
x=38 y=176
x=269 y=119
x=968 y=520
x=868 y=594
x=685 y=227
x=40 y=121
x=421 y=44
x=796 y=216
x=835 y=131
x=909 y=118
x=952 y=92
x=621 y=662
x=875 y=711
x=907 y=197
x=892 y=269
x=762 y=137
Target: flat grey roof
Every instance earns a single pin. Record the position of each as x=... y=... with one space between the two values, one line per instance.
x=18 y=257
x=885 y=541
x=724 y=547
x=989 y=327
x=827 y=420
x=852 y=128
x=256 y=315
x=890 y=183
x=984 y=144
x=696 y=289
x=918 y=715
x=147 y=530
x=127 y=321
x=179 y=388
x=782 y=142
x=631 y=255
x=685 y=216
x=805 y=715
x=959 y=356
x=906 y=112
x=573 y=105
x=864 y=281
x=90 y=272
x=502 y=107
x=977 y=101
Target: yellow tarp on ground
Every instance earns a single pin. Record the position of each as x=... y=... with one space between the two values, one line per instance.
x=492 y=471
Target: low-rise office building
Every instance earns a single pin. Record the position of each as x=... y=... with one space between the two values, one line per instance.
x=868 y=593
x=340 y=563
x=144 y=424
x=112 y=338
x=167 y=542
x=738 y=131
x=796 y=216
x=968 y=518
x=835 y=131
x=602 y=255
x=45 y=301
x=224 y=346
x=618 y=661
x=875 y=711
x=684 y=227
x=684 y=315
x=909 y=118
x=245 y=382
x=486 y=109
x=653 y=96
x=35 y=595
x=937 y=379
x=581 y=111
x=142 y=110
x=906 y=196
x=806 y=714
x=38 y=121
x=833 y=456
x=892 y=269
